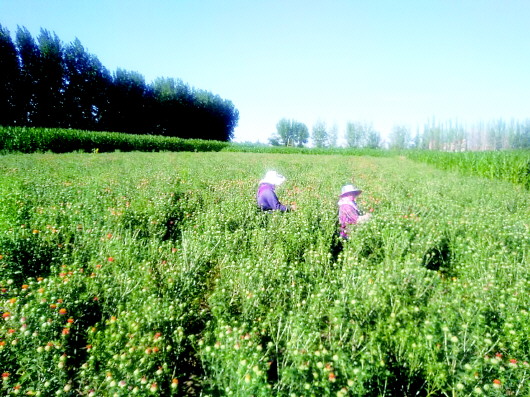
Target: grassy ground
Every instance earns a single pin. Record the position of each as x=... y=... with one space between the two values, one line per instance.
x=144 y=273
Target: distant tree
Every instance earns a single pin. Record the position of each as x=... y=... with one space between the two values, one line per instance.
x=231 y=118
x=174 y=107
x=9 y=80
x=523 y=133
x=400 y=137
x=319 y=134
x=459 y=138
x=86 y=89
x=360 y=135
x=373 y=139
x=301 y=133
x=29 y=77
x=355 y=135
x=216 y=118
x=333 y=136
x=184 y=112
x=128 y=105
x=274 y=140
x=284 y=133
x=290 y=133
x=51 y=81
x=432 y=136
x=497 y=134
x=53 y=85
x=416 y=140
x=520 y=138
x=166 y=89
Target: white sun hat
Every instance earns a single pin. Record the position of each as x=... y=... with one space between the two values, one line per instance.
x=273 y=178
x=350 y=189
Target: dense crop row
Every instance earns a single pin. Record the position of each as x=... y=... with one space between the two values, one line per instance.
x=30 y=140
x=153 y=273
x=512 y=166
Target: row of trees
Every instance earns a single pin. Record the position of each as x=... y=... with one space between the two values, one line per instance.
x=290 y=133
x=449 y=136
x=295 y=133
x=45 y=83
x=494 y=135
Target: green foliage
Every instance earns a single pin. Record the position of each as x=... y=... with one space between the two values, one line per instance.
x=362 y=135
x=49 y=84
x=290 y=133
x=490 y=135
x=29 y=140
x=9 y=77
x=400 y=138
x=253 y=148
x=512 y=166
x=319 y=134
x=155 y=274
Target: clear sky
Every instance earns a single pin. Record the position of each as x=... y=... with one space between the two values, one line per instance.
x=385 y=62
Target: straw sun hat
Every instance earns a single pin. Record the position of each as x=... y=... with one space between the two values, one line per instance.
x=350 y=189
x=273 y=178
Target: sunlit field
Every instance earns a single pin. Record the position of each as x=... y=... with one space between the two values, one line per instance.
x=154 y=273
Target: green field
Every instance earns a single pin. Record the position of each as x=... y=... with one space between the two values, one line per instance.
x=154 y=274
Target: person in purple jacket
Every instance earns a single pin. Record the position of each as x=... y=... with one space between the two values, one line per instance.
x=349 y=213
x=266 y=196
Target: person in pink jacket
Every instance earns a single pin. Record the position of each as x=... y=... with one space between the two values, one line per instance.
x=349 y=213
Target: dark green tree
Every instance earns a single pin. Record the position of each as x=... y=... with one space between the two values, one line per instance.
x=50 y=81
x=86 y=89
x=129 y=107
x=53 y=85
x=9 y=80
x=166 y=111
x=29 y=77
x=216 y=117
x=189 y=113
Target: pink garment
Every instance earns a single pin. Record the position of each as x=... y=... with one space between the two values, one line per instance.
x=348 y=214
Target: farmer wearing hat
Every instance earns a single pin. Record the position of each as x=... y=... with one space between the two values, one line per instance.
x=349 y=213
x=266 y=197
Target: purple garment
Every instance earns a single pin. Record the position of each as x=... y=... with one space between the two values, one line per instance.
x=348 y=215
x=267 y=199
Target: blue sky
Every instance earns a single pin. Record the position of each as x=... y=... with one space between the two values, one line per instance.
x=384 y=62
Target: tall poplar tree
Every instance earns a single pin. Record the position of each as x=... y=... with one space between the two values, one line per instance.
x=50 y=86
x=9 y=80
x=319 y=134
x=30 y=75
x=400 y=137
x=86 y=88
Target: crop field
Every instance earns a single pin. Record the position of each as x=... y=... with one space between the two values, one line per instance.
x=155 y=274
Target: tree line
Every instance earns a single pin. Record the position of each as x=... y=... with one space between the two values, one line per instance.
x=294 y=133
x=493 y=135
x=449 y=136
x=46 y=83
